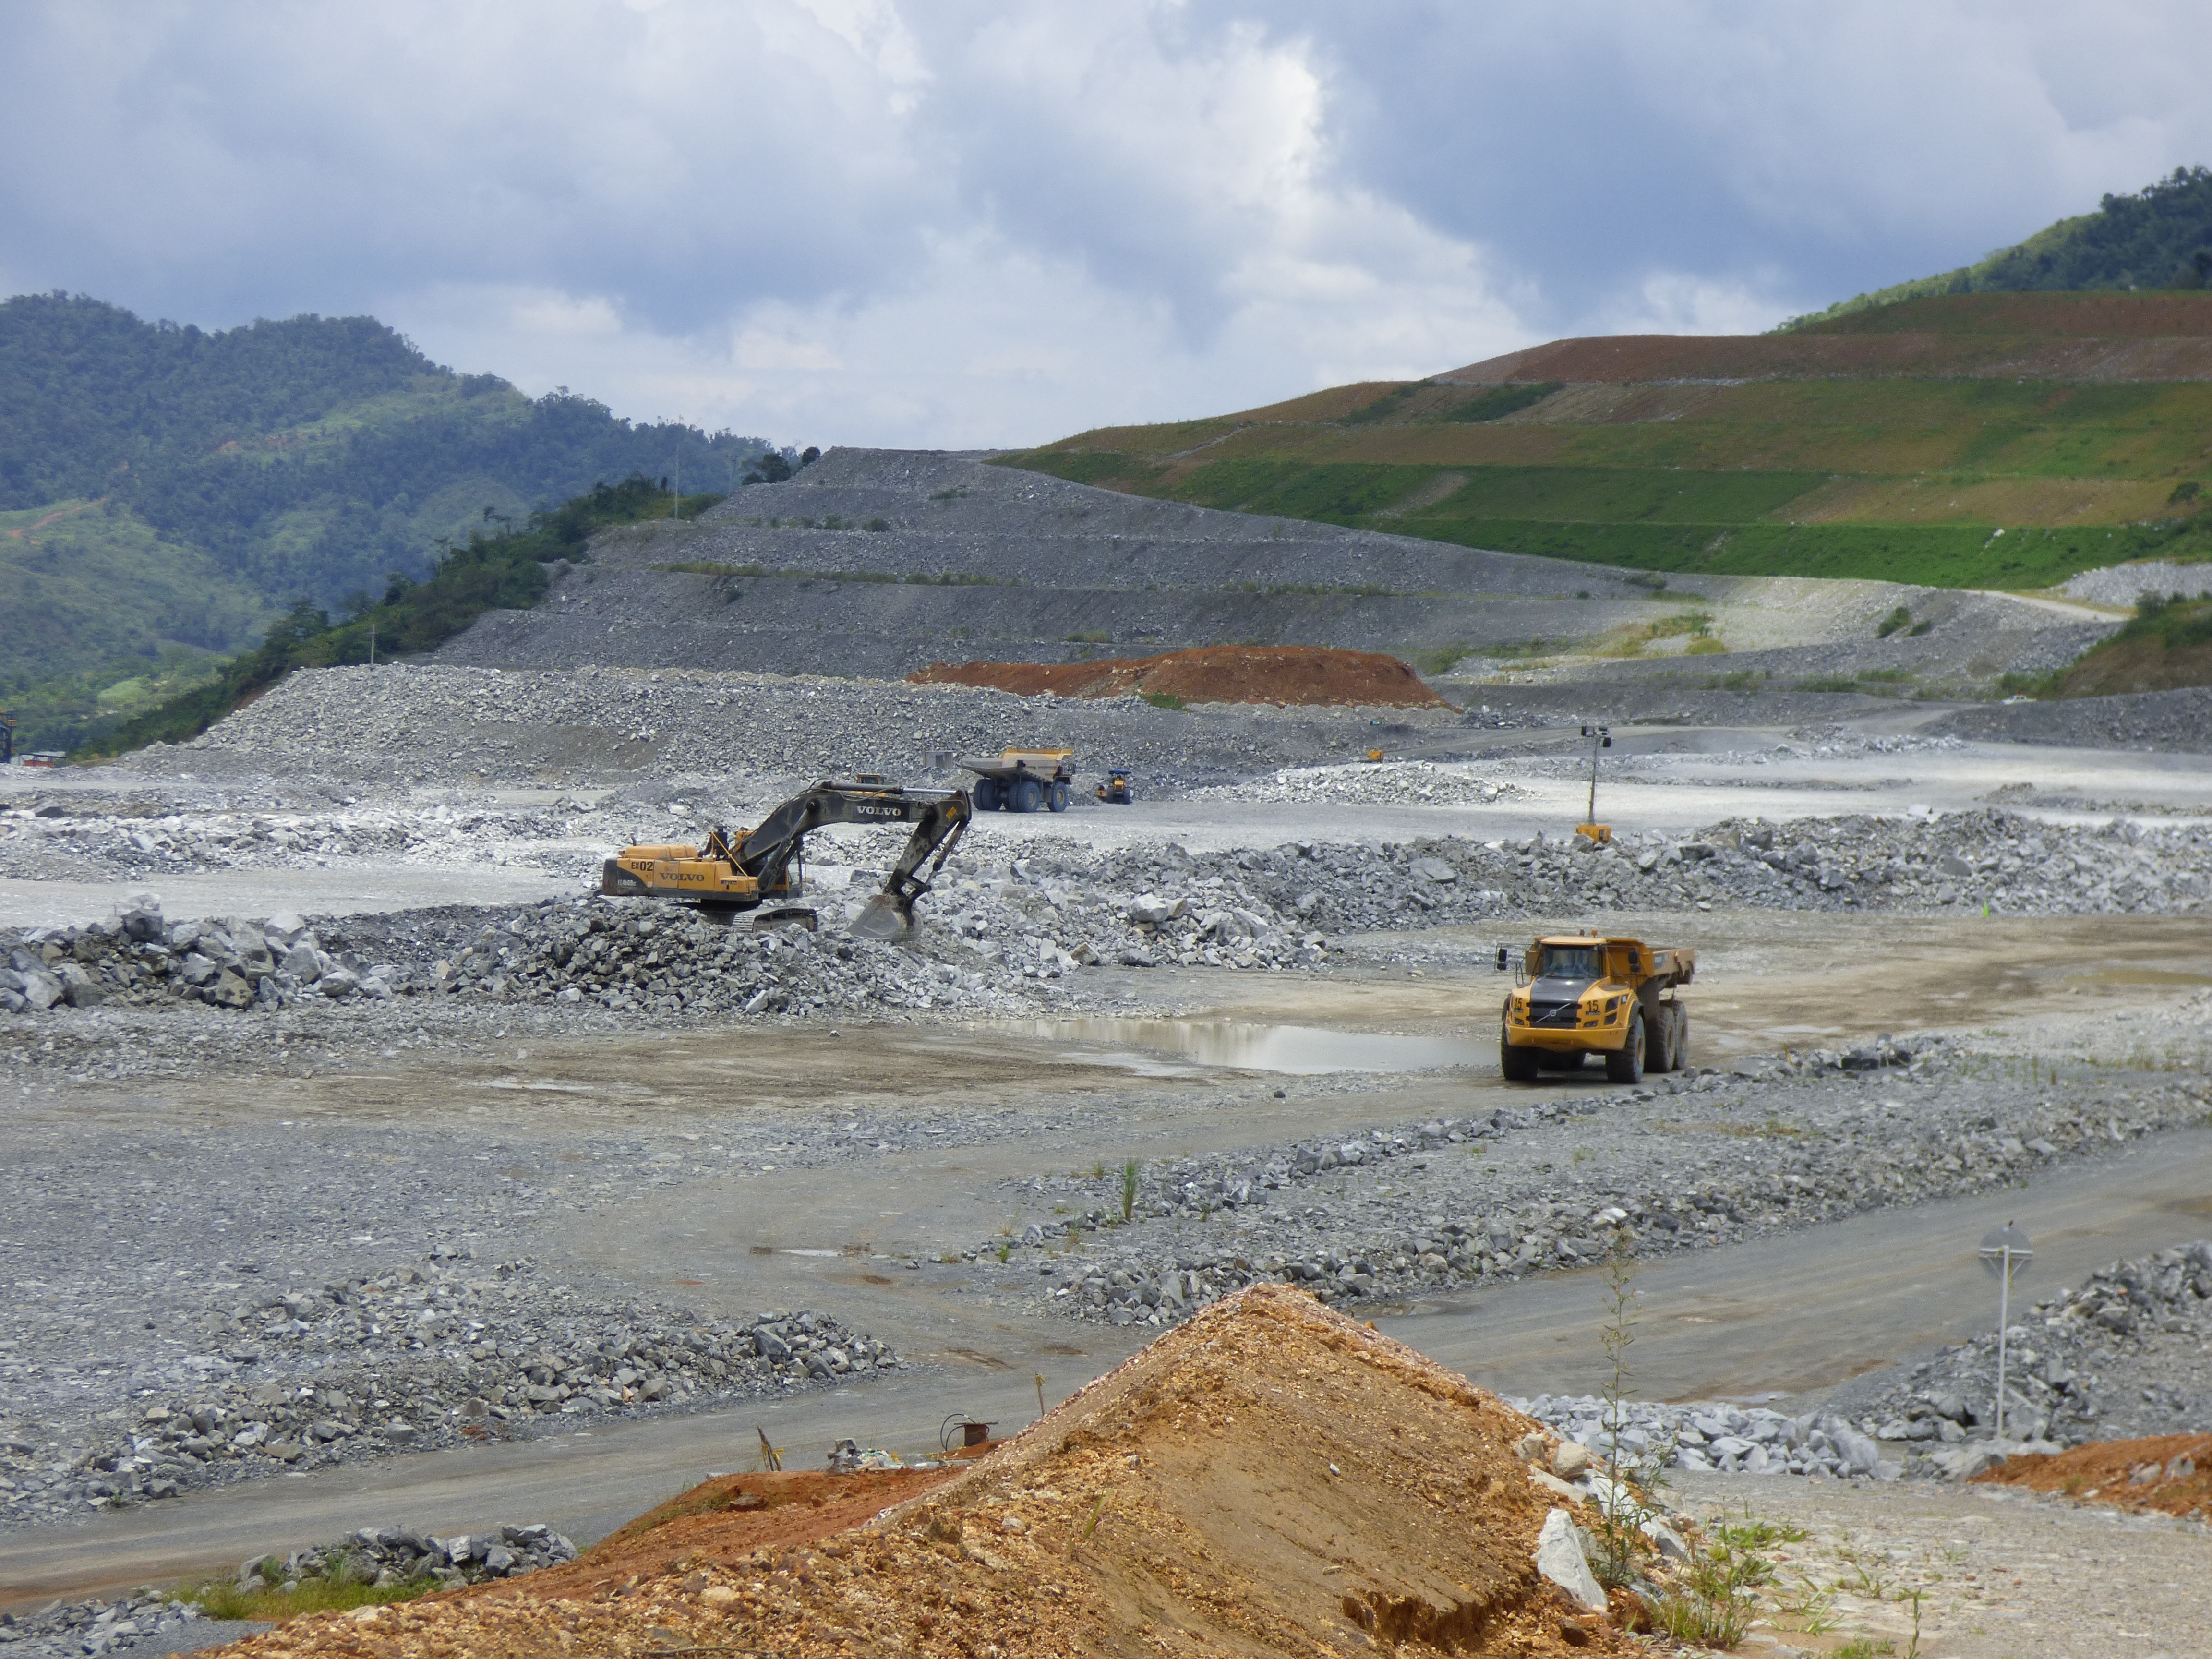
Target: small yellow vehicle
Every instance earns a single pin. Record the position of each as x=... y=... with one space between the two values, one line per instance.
x=1582 y=995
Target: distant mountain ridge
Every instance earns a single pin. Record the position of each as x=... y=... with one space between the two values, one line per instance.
x=2159 y=238
x=166 y=488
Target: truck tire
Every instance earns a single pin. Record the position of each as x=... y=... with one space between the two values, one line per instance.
x=985 y=794
x=1029 y=795
x=1659 y=1041
x=1626 y=1063
x=1059 y=801
x=1680 y=1051
x=1519 y=1064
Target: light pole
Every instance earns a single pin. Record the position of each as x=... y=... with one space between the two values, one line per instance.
x=2005 y=1251
x=1600 y=738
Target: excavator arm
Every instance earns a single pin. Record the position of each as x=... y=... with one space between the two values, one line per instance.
x=739 y=872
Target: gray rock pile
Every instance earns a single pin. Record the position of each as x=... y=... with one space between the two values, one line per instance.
x=1386 y=783
x=2119 y=1356
x=2131 y=584
x=69 y=1629
x=1731 y=1439
x=69 y=838
x=386 y=1557
x=436 y=725
x=390 y=1556
x=423 y=1356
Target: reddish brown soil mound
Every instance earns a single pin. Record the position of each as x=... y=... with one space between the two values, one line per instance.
x=2167 y=1471
x=1270 y=1478
x=2112 y=314
x=1284 y=674
x=1616 y=358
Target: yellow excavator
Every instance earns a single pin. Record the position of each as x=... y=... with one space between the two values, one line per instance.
x=766 y=866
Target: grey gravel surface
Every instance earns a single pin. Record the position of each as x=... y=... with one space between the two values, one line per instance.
x=2175 y=720
x=2129 y=584
x=994 y=941
x=1395 y=1211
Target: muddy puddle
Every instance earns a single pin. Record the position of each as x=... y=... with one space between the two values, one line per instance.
x=1156 y=1047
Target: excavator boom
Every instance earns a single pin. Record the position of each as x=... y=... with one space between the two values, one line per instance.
x=742 y=871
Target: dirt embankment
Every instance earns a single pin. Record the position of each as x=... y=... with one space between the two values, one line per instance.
x=1286 y=675
x=1270 y=1478
x=2171 y=1472
x=1645 y=357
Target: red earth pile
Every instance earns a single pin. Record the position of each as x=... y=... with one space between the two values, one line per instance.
x=2171 y=1472
x=1281 y=674
x=1270 y=1478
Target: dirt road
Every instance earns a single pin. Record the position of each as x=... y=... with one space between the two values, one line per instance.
x=1787 y=1316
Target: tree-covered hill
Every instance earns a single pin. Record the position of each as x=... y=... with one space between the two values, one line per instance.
x=230 y=474
x=2159 y=238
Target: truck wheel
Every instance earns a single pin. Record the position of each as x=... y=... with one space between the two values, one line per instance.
x=1029 y=795
x=1519 y=1064
x=1059 y=801
x=1659 y=1043
x=1680 y=1055
x=1626 y=1063
x=985 y=794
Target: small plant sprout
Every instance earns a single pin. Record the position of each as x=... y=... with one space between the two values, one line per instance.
x=1129 y=1172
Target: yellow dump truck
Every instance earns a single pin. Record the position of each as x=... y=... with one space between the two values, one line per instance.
x=1580 y=994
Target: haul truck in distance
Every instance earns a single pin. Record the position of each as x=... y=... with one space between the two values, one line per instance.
x=1581 y=994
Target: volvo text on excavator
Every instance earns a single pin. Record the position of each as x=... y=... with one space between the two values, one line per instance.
x=750 y=868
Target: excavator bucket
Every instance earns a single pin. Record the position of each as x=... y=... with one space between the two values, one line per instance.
x=885 y=916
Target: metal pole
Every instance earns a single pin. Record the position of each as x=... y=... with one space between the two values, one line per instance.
x=2004 y=1294
x=372 y=645
x=1595 y=741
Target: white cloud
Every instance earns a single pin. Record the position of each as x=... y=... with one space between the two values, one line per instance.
x=977 y=222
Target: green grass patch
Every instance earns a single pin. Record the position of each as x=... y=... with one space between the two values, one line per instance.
x=1494 y=402
x=1389 y=403
x=342 y=1587
x=1164 y=700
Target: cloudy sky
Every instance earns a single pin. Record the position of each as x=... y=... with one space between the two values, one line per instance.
x=949 y=224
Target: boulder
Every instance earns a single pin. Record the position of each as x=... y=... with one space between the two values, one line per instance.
x=1560 y=1558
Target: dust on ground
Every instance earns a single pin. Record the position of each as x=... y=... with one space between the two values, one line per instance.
x=1286 y=675
x=1272 y=1477
x=2168 y=1473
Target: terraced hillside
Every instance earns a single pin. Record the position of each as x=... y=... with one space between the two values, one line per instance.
x=1971 y=440
x=877 y=562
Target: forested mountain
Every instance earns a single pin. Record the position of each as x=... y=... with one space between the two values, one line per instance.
x=2159 y=238
x=165 y=487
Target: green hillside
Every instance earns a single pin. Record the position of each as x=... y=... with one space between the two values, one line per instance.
x=2159 y=238
x=504 y=569
x=166 y=489
x=1906 y=444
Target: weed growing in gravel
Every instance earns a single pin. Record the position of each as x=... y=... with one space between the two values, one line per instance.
x=1813 y=1609
x=1865 y=1647
x=1128 y=1189
x=1714 y=1604
x=1164 y=700
x=341 y=1587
